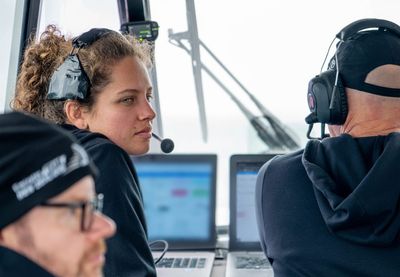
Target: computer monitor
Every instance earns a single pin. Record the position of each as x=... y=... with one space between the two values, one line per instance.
x=243 y=232
x=179 y=198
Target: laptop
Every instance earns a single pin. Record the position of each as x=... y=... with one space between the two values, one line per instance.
x=179 y=193
x=245 y=256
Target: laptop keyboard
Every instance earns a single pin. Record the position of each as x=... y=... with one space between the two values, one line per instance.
x=252 y=262
x=182 y=263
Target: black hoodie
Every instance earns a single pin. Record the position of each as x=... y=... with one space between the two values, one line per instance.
x=128 y=253
x=13 y=264
x=333 y=209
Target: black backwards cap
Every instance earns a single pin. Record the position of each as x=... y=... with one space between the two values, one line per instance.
x=363 y=53
x=38 y=161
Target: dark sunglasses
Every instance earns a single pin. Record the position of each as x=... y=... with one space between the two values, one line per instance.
x=88 y=208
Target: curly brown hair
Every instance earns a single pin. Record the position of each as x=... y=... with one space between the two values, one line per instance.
x=42 y=58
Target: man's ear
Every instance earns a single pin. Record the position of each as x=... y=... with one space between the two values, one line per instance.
x=75 y=114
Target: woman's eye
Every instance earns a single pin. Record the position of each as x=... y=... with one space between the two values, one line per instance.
x=127 y=100
x=149 y=97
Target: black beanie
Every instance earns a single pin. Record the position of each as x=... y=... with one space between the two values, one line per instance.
x=38 y=160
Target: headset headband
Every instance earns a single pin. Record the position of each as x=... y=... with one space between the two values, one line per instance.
x=362 y=24
x=89 y=37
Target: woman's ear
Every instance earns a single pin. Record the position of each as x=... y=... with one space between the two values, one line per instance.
x=75 y=114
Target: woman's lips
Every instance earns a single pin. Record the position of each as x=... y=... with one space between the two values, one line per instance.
x=146 y=133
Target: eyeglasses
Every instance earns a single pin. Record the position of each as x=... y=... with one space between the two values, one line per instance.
x=88 y=208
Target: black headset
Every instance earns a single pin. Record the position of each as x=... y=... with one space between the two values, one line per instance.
x=326 y=95
x=70 y=80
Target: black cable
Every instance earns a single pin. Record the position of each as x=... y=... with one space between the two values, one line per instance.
x=310 y=127
x=164 y=250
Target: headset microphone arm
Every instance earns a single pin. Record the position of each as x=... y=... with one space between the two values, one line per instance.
x=311 y=119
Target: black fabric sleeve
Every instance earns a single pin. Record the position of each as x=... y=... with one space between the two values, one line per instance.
x=128 y=253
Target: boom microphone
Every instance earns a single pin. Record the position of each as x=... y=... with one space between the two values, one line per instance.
x=167 y=145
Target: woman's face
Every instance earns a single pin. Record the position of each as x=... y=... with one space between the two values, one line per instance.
x=122 y=110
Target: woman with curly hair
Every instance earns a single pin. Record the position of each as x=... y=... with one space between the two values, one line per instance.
x=98 y=88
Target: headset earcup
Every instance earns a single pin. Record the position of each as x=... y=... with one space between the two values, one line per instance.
x=319 y=90
x=69 y=81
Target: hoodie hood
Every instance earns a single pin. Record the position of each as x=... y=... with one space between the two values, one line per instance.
x=356 y=182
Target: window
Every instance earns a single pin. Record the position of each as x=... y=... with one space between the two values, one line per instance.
x=273 y=47
x=10 y=27
x=74 y=17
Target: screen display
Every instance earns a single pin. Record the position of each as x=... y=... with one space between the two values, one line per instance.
x=246 y=224
x=177 y=199
x=141 y=31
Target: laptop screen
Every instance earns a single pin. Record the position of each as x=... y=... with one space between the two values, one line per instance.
x=243 y=225
x=179 y=198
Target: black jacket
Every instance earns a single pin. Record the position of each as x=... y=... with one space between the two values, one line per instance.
x=12 y=264
x=128 y=253
x=333 y=209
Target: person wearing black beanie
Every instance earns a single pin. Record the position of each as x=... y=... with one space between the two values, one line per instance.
x=48 y=223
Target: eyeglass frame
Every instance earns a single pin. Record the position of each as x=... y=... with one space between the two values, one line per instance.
x=96 y=204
